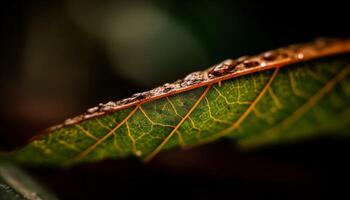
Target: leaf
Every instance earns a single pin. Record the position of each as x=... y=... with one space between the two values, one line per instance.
x=17 y=185
x=280 y=96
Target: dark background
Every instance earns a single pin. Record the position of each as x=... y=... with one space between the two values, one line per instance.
x=60 y=57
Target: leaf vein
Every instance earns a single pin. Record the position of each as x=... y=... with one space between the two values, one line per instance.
x=160 y=146
x=305 y=107
x=245 y=114
x=99 y=141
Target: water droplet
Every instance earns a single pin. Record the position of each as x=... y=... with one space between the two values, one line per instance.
x=240 y=68
x=110 y=104
x=168 y=87
x=138 y=96
x=269 y=56
x=156 y=91
x=229 y=62
x=222 y=68
x=126 y=101
x=217 y=71
x=249 y=64
x=92 y=110
x=195 y=76
x=300 y=55
x=69 y=121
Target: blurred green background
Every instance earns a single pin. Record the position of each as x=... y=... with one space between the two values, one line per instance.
x=59 y=58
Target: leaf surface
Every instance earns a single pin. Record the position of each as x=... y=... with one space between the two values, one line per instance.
x=280 y=96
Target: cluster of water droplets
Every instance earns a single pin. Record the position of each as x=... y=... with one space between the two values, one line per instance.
x=290 y=54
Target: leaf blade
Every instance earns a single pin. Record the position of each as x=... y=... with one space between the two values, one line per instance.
x=160 y=146
x=202 y=113
x=297 y=114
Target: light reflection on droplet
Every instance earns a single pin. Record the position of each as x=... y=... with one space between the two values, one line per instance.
x=300 y=56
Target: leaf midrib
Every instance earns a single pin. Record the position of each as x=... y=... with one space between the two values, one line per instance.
x=222 y=133
x=337 y=47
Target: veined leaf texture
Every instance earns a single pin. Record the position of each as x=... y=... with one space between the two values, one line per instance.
x=285 y=95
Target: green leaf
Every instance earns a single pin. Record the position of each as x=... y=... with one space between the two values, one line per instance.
x=17 y=185
x=284 y=95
